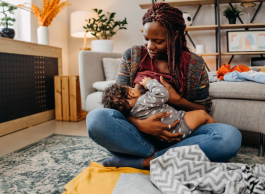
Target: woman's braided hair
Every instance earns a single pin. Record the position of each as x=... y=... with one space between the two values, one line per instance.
x=171 y=18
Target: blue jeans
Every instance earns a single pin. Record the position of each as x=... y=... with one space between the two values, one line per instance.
x=110 y=129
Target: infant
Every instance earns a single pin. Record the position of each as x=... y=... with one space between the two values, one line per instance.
x=130 y=101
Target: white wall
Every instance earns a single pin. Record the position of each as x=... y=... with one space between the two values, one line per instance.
x=131 y=10
x=57 y=33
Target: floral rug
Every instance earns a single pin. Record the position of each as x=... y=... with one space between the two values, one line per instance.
x=47 y=165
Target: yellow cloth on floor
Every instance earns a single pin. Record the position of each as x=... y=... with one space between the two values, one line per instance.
x=97 y=179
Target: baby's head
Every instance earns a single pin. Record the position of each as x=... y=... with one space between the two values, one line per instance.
x=120 y=97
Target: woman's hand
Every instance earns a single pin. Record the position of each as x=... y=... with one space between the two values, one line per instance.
x=153 y=126
x=174 y=97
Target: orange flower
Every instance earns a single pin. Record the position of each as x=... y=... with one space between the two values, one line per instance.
x=50 y=9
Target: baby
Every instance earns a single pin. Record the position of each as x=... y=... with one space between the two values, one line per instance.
x=130 y=101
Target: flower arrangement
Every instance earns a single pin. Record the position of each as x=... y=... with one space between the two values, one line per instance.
x=231 y=12
x=6 y=7
x=50 y=9
x=103 y=27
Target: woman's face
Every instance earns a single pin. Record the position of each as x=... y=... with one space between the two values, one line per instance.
x=155 y=40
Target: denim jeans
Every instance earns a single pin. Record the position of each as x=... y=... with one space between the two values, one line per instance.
x=111 y=130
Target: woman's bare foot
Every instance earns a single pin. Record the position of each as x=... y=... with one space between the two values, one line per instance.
x=146 y=162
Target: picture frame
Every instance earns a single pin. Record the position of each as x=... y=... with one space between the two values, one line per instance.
x=245 y=41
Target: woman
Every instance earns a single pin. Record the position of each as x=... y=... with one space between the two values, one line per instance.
x=135 y=142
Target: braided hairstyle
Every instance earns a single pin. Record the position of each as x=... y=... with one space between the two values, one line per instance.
x=171 y=18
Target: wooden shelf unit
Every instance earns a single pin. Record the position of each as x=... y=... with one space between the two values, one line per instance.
x=224 y=26
x=209 y=54
x=238 y=26
x=245 y=53
x=180 y=3
x=200 y=28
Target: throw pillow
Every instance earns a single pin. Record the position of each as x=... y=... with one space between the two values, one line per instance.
x=111 y=67
x=100 y=86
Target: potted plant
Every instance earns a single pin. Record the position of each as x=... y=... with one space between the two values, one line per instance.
x=231 y=13
x=50 y=9
x=7 y=21
x=103 y=28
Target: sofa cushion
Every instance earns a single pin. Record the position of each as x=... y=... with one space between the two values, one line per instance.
x=111 y=67
x=101 y=86
x=237 y=90
x=93 y=101
x=247 y=115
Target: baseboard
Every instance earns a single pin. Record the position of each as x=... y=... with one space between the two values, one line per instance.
x=24 y=122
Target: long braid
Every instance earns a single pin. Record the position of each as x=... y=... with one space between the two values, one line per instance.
x=171 y=18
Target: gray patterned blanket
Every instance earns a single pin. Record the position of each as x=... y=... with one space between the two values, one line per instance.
x=187 y=170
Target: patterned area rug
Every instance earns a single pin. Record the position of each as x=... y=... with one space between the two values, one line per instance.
x=47 y=165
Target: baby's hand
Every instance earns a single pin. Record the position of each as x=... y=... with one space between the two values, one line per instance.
x=145 y=80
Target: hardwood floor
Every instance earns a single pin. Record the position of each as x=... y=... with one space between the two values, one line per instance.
x=24 y=137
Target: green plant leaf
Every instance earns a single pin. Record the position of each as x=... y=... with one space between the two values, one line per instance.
x=112 y=15
x=103 y=27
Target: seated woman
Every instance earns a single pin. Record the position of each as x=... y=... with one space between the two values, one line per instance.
x=135 y=142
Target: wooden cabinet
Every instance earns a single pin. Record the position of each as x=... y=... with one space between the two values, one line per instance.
x=26 y=83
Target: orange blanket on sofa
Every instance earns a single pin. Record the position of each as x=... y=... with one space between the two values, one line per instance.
x=226 y=69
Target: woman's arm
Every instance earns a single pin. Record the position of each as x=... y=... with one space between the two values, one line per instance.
x=186 y=105
x=181 y=103
x=123 y=76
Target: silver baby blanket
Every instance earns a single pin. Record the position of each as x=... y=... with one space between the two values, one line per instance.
x=187 y=170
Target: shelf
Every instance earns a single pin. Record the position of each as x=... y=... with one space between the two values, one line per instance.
x=198 y=28
x=180 y=3
x=235 y=53
x=208 y=54
x=245 y=53
x=226 y=26
x=236 y=26
x=239 y=1
x=196 y=2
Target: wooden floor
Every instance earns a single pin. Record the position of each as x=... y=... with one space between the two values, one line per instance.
x=22 y=138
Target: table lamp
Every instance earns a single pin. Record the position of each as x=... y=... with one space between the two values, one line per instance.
x=77 y=22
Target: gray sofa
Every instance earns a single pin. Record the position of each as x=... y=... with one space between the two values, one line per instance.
x=241 y=104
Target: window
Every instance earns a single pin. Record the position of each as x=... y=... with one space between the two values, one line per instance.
x=22 y=26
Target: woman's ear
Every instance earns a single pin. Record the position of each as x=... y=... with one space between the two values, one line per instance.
x=176 y=35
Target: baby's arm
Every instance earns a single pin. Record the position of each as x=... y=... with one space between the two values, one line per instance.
x=196 y=118
x=157 y=93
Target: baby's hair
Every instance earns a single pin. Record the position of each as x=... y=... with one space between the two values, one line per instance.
x=115 y=97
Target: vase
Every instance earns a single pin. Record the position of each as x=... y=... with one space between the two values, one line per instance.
x=102 y=45
x=43 y=35
x=7 y=33
x=232 y=20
